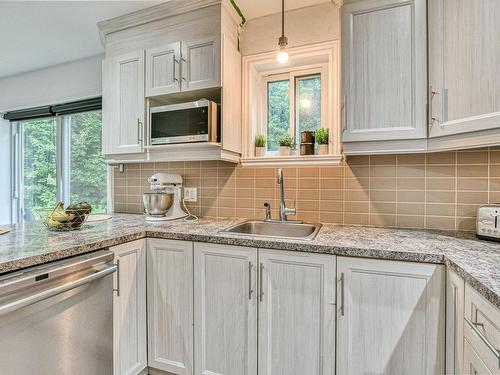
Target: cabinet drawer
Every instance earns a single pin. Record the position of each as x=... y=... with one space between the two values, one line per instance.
x=482 y=328
x=472 y=363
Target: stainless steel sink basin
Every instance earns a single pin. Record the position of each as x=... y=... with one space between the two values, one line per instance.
x=275 y=229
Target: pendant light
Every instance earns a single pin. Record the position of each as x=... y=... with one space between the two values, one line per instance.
x=282 y=55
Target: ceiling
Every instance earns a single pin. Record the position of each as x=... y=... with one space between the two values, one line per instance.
x=37 y=34
x=258 y=8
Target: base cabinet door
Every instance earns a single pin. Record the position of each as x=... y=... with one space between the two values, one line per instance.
x=390 y=317
x=455 y=294
x=225 y=310
x=129 y=309
x=170 y=306
x=473 y=365
x=296 y=313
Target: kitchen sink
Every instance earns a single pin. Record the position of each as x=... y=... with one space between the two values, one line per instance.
x=275 y=229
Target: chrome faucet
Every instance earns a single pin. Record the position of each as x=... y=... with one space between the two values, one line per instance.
x=284 y=210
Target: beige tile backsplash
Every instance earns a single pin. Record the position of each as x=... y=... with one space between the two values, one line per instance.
x=436 y=190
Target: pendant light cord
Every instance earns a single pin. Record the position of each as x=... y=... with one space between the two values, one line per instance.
x=282 y=18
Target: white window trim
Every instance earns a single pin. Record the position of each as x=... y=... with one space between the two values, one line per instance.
x=306 y=60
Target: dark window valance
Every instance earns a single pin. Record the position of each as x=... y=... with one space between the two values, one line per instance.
x=86 y=105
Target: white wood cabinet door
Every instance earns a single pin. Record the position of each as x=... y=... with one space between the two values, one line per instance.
x=225 y=310
x=163 y=69
x=296 y=313
x=201 y=64
x=390 y=317
x=464 y=66
x=170 y=305
x=123 y=104
x=384 y=70
x=455 y=294
x=129 y=309
x=473 y=365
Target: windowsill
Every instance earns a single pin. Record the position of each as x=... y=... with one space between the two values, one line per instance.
x=291 y=161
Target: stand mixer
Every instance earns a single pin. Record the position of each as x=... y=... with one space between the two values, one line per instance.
x=164 y=202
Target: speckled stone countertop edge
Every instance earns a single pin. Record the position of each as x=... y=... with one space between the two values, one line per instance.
x=478 y=286
x=212 y=235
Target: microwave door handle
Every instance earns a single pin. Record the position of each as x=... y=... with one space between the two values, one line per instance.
x=212 y=122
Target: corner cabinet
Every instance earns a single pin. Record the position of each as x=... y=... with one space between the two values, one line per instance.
x=129 y=309
x=390 y=317
x=123 y=104
x=455 y=291
x=170 y=306
x=384 y=59
x=464 y=69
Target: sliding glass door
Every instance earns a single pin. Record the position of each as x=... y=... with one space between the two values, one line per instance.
x=58 y=159
x=87 y=170
x=39 y=138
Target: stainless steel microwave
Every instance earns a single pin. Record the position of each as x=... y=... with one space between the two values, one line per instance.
x=197 y=121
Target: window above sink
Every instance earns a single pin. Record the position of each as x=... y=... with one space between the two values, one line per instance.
x=286 y=99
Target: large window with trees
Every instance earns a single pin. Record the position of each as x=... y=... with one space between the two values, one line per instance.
x=58 y=158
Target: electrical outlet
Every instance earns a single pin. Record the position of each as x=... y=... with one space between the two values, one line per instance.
x=190 y=194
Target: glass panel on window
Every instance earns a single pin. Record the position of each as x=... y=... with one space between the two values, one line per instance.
x=39 y=167
x=278 y=112
x=308 y=103
x=88 y=175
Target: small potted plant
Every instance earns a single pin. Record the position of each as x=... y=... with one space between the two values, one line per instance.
x=285 y=142
x=260 y=145
x=321 y=137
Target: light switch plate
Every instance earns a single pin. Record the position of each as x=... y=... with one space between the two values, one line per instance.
x=190 y=194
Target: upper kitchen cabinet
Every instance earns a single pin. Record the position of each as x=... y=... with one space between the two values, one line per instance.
x=163 y=69
x=200 y=64
x=175 y=52
x=384 y=70
x=464 y=70
x=183 y=66
x=123 y=103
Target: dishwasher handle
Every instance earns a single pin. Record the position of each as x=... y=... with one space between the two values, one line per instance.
x=34 y=298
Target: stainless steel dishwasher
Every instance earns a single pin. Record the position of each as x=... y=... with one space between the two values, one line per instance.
x=57 y=319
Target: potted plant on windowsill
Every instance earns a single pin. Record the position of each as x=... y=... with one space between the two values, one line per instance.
x=321 y=137
x=285 y=142
x=260 y=145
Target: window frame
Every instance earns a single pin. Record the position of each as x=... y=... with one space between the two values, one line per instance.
x=293 y=75
x=63 y=163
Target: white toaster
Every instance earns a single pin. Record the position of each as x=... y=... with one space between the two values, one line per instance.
x=488 y=222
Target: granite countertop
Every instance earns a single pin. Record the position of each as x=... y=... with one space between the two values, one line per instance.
x=478 y=262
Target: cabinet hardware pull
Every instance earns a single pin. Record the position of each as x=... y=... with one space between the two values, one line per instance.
x=344 y=114
x=174 y=79
x=261 y=272
x=117 y=290
x=139 y=127
x=342 y=294
x=474 y=325
x=250 y=290
x=430 y=98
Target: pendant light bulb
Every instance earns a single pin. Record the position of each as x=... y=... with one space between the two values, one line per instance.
x=282 y=56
